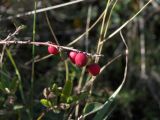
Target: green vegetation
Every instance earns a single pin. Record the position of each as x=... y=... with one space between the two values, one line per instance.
x=80 y=60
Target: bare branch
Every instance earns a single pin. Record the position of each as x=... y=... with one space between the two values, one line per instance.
x=111 y=61
x=45 y=44
x=8 y=41
x=102 y=69
x=126 y=23
x=10 y=36
x=42 y=10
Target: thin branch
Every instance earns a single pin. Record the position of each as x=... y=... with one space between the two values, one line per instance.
x=2 y=55
x=87 y=26
x=9 y=37
x=102 y=69
x=124 y=42
x=90 y=28
x=46 y=44
x=42 y=58
x=111 y=61
x=142 y=43
x=128 y=21
x=51 y=29
x=42 y=10
x=7 y=41
x=81 y=79
x=100 y=46
x=112 y=97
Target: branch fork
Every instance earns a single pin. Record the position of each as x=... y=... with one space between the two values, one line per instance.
x=8 y=41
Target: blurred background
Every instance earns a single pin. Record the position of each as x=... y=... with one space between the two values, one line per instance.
x=140 y=96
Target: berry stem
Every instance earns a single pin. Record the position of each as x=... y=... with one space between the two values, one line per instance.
x=10 y=40
x=2 y=42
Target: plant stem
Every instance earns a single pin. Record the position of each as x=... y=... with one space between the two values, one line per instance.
x=102 y=28
x=33 y=54
x=47 y=44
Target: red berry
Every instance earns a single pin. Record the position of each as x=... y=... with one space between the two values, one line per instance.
x=94 y=69
x=53 y=50
x=72 y=55
x=81 y=59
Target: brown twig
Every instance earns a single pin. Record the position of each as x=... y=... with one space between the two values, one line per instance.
x=3 y=42
x=8 y=41
x=120 y=86
x=126 y=23
x=10 y=36
x=41 y=10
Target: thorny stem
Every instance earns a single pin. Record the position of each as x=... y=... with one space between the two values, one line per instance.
x=8 y=41
x=47 y=44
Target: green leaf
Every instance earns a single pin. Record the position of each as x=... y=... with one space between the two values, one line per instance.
x=4 y=83
x=18 y=107
x=104 y=110
x=91 y=107
x=46 y=103
x=70 y=99
x=81 y=96
x=67 y=89
x=54 y=87
x=13 y=63
x=14 y=85
x=17 y=73
x=78 y=97
x=56 y=90
x=2 y=99
x=2 y=86
x=57 y=111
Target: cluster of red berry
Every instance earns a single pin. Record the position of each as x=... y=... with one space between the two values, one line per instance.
x=78 y=58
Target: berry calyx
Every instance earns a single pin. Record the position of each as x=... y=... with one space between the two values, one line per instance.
x=81 y=59
x=52 y=50
x=72 y=55
x=93 y=69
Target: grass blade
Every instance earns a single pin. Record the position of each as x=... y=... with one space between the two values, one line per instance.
x=105 y=108
x=17 y=73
